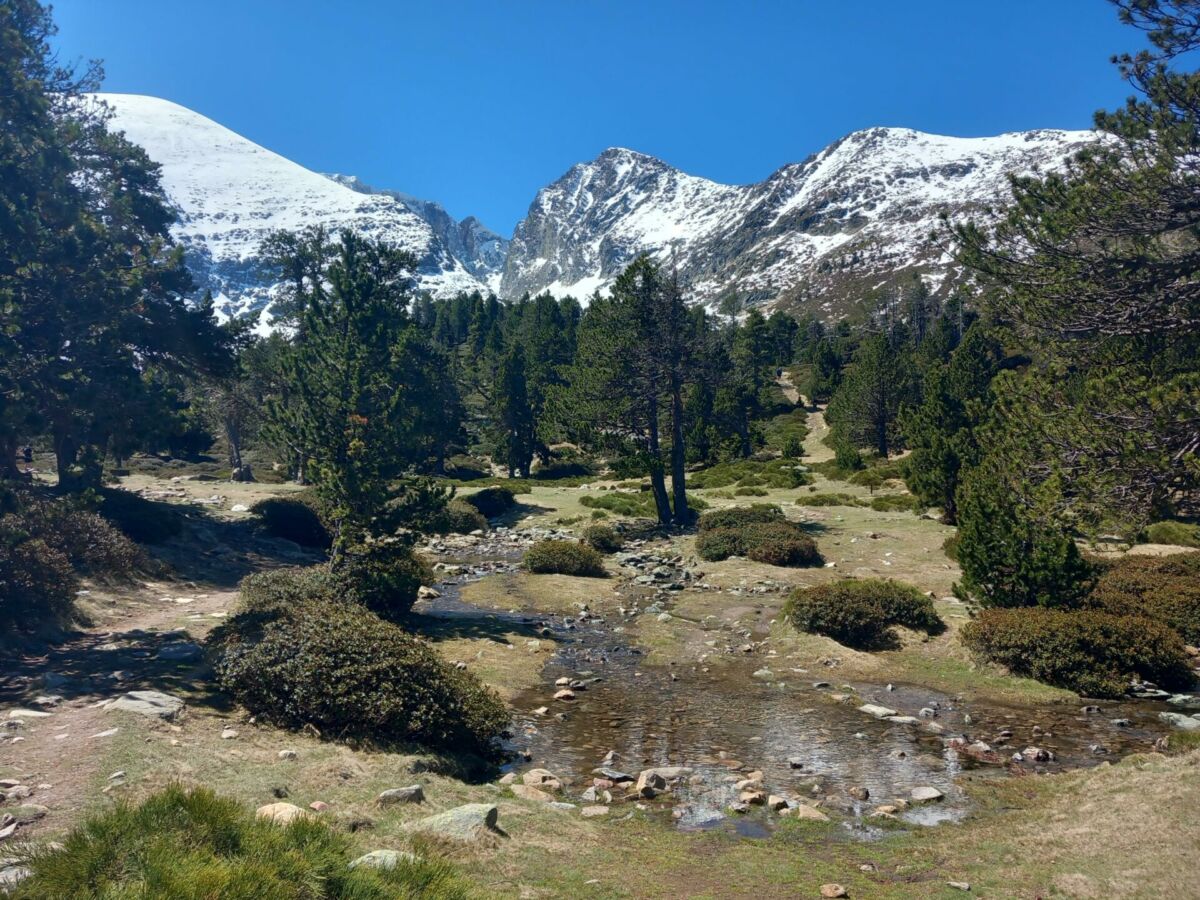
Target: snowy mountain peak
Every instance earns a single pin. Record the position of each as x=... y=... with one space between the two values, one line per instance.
x=230 y=193
x=818 y=233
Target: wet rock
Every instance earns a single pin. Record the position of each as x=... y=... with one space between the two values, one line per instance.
x=565 y=694
x=753 y=797
x=879 y=712
x=738 y=806
x=384 y=859
x=859 y=793
x=926 y=794
x=155 y=704
x=463 y=823
x=650 y=783
x=411 y=794
x=282 y=813
x=796 y=762
x=804 y=811
x=903 y=720
x=613 y=775
x=776 y=803
x=1037 y=754
x=1179 y=720
x=670 y=773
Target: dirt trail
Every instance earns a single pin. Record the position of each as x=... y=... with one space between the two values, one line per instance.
x=815 y=448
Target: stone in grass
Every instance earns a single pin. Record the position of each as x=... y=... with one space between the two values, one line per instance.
x=926 y=794
x=411 y=794
x=528 y=792
x=384 y=859
x=282 y=813
x=833 y=890
x=27 y=813
x=463 y=823
x=155 y=704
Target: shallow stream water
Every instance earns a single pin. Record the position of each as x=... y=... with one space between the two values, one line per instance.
x=801 y=728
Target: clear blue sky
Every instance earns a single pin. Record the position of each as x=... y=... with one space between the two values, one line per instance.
x=478 y=103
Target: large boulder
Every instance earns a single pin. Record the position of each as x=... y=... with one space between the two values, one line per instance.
x=154 y=704
x=463 y=823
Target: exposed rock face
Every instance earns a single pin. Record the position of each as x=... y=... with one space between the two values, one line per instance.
x=815 y=233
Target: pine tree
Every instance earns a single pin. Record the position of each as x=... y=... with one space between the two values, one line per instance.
x=864 y=410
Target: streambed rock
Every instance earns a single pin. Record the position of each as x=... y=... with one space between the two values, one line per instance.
x=469 y=822
x=879 y=712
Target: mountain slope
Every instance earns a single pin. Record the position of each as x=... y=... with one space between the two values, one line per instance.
x=817 y=234
x=230 y=193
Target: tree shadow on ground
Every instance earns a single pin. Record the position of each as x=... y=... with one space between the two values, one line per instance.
x=520 y=510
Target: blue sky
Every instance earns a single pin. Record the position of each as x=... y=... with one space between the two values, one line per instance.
x=479 y=104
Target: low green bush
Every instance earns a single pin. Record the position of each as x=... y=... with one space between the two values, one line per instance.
x=896 y=503
x=292 y=518
x=1181 y=534
x=750 y=492
x=306 y=660
x=145 y=521
x=603 y=538
x=775 y=473
x=781 y=544
x=1163 y=588
x=92 y=544
x=492 y=501
x=834 y=499
x=759 y=532
x=457 y=517
x=740 y=516
x=560 y=469
x=862 y=613
x=275 y=591
x=950 y=546
x=1095 y=654
x=384 y=576
x=182 y=843
x=564 y=558
x=37 y=581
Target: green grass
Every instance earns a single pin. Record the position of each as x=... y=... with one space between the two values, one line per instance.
x=639 y=504
x=751 y=473
x=189 y=844
x=1181 y=534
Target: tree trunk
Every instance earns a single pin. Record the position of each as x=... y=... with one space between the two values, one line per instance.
x=658 y=482
x=8 y=456
x=678 y=456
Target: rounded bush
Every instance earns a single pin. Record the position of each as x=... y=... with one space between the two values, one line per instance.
x=492 y=501
x=457 y=517
x=145 y=521
x=275 y=591
x=1095 y=654
x=293 y=519
x=343 y=670
x=740 y=516
x=861 y=613
x=780 y=544
x=603 y=538
x=1163 y=588
x=564 y=558
x=1181 y=534
x=383 y=575
x=37 y=581
x=92 y=544
x=716 y=544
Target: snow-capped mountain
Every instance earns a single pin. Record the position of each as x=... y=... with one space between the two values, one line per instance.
x=230 y=193
x=817 y=234
x=469 y=241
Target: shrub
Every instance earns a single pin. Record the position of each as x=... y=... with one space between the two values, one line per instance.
x=780 y=544
x=91 y=543
x=467 y=468
x=1163 y=588
x=564 y=558
x=292 y=518
x=275 y=591
x=338 y=667
x=758 y=532
x=492 y=501
x=383 y=575
x=145 y=521
x=776 y=473
x=1092 y=653
x=560 y=469
x=635 y=505
x=862 y=613
x=896 y=503
x=716 y=544
x=192 y=843
x=603 y=538
x=37 y=582
x=457 y=517
x=740 y=516
x=836 y=499
x=792 y=448
x=1181 y=534
x=950 y=546
x=750 y=492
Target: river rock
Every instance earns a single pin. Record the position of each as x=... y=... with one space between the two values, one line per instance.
x=670 y=773
x=528 y=792
x=879 y=712
x=650 y=783
x=542 y=778
x=1179 y=720
x=411 y=794
x=804 y=811
x=753 y=797
x=566 y=694
x=155 y=704
x=613 y=775
x=859 y=793
x=282 y=813
x=926 y=794
x=776 y=803
x=463 y=823
x=384 y=859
